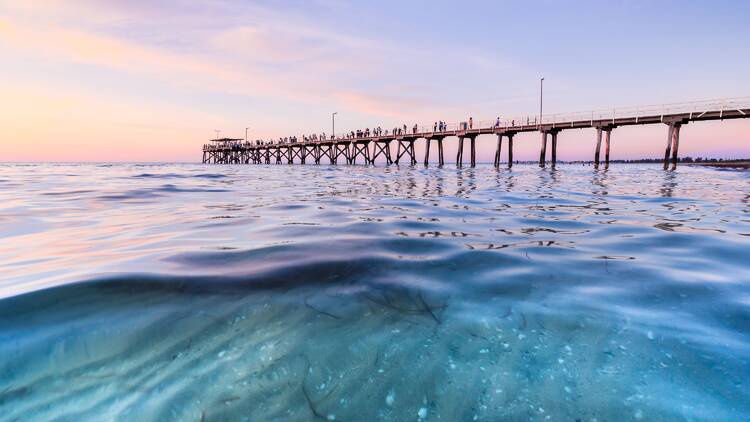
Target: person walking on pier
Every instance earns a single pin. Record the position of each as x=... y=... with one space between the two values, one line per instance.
x=497 y=122
x=471 y=122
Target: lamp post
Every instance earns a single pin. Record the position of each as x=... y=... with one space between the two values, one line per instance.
x=333 y=124
x=246 y=134
x=217 y=133
x=541 y=98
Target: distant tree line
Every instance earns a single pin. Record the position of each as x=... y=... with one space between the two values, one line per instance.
x=651 y=160
x=684 y=160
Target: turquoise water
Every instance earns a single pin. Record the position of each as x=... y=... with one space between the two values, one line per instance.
x=201 y=293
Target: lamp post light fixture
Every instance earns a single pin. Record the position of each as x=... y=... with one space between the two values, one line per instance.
x=541 y=99
x=246 y=134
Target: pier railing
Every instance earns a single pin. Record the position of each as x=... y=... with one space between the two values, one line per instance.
x=693 y=108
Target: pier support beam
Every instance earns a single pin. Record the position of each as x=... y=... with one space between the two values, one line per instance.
x=439 y=140
x=460 y=153
x=554 y=147
x=341 y=150
x=675 y=145
x=607 y=138
x=363 y=149
x=441 y=160
x=497 y=151
x=473 y=151
x=670 y=136
x=308 y=151
x=598 y=147
x=333 y=154
x=543 y=153
x=384 y=148
x=325 y=150
x=427 y=152
x=510 y=150
x=406 y=147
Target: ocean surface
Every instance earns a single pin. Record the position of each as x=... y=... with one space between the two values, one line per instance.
x=352 y=293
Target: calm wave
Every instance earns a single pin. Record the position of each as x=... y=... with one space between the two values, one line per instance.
x=187 y=292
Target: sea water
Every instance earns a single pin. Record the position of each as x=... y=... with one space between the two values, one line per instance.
x=202 y=293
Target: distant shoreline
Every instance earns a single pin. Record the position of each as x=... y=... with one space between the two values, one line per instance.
x=730 y=164
x=718 y=163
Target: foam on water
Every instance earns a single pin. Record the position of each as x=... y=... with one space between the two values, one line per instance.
x=182 y=292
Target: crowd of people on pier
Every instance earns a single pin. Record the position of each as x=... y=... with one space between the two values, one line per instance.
x=437 y=127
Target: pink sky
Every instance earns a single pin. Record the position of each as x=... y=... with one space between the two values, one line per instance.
x=97 y=80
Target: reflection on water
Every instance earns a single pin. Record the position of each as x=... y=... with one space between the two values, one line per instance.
x=186 y=292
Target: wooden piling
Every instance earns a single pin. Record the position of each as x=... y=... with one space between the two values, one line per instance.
x=406 y=147
x=382 y=148
x=473 y=151
x=339 y=150
x=675 y=145
x=607 y=138
x=427 y=152
x=441 y=160
x=363 y=149
x=497 y=151
x=460 y=153
x=598 y=146
x=670 y=133
x=510 y=150
x=554 y=148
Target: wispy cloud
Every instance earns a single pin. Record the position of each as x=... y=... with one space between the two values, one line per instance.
x=258 y=51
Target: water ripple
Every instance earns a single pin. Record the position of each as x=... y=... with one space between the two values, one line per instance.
x=186 y=292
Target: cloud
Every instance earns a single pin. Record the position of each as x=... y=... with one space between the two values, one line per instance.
x=71 y=45
x=384 y=105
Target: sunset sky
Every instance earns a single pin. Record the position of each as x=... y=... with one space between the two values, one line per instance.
x=97 y=80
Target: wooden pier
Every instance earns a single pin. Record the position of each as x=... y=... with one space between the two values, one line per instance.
x=348 y=149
